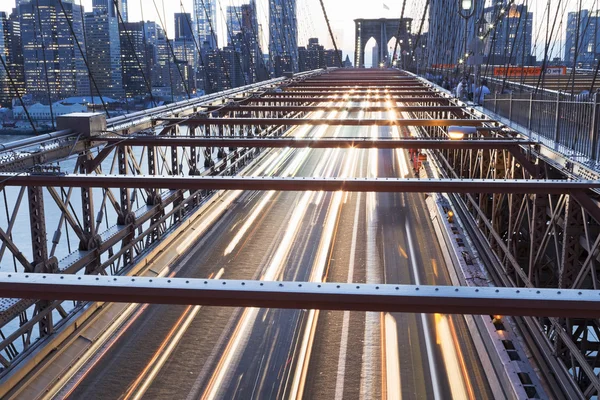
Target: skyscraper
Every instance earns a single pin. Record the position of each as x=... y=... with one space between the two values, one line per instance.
x=205 y=15
x=446 y=31
x=12 y=55
x=243 y=36
x=136 y=59
x=510 y=43
x=183 y=27
x=53 y=65
x=283 y=40
x=583 y=39
x=104 y=50
x=234 y=23
x=112 y=7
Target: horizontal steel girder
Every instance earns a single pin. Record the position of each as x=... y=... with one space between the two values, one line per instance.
x=393 y=93
x=306 y=295
x=325 y=121
x=381 y=185
x=337 y=91
x=356 y=99
x=322 y=143
x=330 y=108
x=375 y=83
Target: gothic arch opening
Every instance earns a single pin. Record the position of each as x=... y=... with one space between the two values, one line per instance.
x=371 y=53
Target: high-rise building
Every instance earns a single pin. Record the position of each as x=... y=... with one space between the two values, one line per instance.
x=582 y=44
x=11 y=81
x=283 y=38
x=53 y=64
x=114 y=8
x=137 y=59
x=331 y=58
x=183 y=27
x=234 y=23
x=205 y=15
x=446 y=31
x=185 y=62
x=243 y=35
x=104 y=51
x=510 y=43
x=375 y=56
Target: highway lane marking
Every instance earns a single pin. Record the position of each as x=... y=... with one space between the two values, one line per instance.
x=164 y=351
x=453 y=367
x=272 y=271
x=341 y=372
x=426 y=331
x=318 y=271
x=102 y=346
x=392 y=359
x=372 y=319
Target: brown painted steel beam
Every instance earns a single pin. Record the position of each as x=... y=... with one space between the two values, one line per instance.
x=381 y=84
x=244 y=108
x=321 y=143
x=423 y=99
x=392 y=93
x=325 y=121
x=383 y=185
x=335 y=90
x=305 y=295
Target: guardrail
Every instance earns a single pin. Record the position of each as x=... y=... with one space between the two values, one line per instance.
x=572 y=123
x=567 y=122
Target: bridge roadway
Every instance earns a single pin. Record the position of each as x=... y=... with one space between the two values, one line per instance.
x=210 y=352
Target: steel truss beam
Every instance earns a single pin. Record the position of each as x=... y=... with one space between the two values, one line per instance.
x=331 y=108
x=337 y=91
x=306 y=295
x=408 y=91
x=325 y=121
x=406 y=100
x=321 y=143
x=386 y=185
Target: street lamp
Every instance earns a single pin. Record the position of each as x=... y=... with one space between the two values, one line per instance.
x=466 y=11
x=459 y=132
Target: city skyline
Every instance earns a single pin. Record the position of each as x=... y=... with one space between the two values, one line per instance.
x=341 y=14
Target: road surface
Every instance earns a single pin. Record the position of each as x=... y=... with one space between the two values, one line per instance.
x=224 y=353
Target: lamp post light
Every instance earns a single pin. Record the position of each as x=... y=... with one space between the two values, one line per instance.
x=459 y=132
x=466 y=11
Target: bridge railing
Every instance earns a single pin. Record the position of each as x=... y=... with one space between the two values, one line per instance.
x=564 y=121
x=568 y=121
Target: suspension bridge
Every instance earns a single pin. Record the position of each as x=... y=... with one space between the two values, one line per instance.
x=341 y=190
x=334 y=233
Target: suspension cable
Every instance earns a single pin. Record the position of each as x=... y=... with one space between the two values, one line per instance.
x=337 y=53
